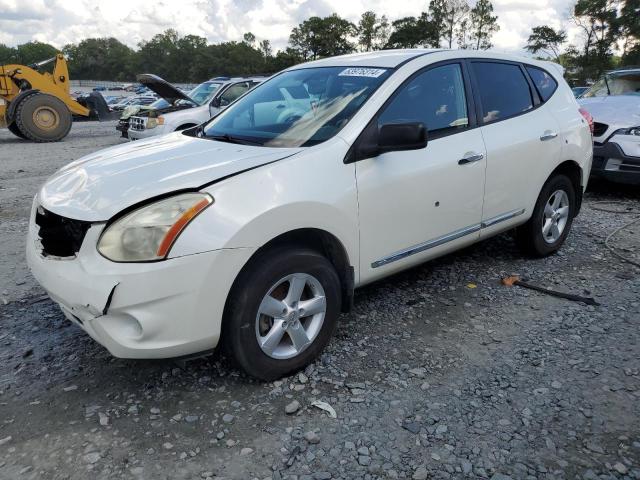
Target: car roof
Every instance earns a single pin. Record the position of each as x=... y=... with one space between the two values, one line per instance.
x=398 y=57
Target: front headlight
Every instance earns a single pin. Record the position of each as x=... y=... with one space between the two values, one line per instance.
x=628 y=131
x=153 y=122
x=148 y=233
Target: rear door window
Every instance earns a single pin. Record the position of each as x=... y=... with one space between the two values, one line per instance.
x=504 y=90
x=544 y=82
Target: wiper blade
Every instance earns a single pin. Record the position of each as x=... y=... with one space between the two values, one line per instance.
x=231 y=139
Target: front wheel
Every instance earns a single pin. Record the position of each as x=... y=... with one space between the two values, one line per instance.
x=281 y=312
x=43 y=118
x=552 y=217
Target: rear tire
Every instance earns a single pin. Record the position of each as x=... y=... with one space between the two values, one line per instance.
x=13 y=128
x=43 y=118
x=262 y=305
x=551 y=221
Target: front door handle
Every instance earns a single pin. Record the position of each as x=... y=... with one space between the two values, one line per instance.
x=548 y=135
x=470 y=158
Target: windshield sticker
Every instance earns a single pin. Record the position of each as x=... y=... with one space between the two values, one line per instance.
x=362 y=72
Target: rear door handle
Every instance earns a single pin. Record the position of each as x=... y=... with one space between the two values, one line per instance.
x=470 y=158
x=548 y=135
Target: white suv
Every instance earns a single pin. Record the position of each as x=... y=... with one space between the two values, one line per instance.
x=614 y=103
x=185 y=110
x=256 y=227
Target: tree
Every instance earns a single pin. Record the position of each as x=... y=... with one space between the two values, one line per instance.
x=463 y=37
x=455 y=13
x=322 y=37
x=284 y=59
x=249 y=38
x=629 y=22
x=7 y=54
x=373 y=31
x=265 y=47
x=412 y=32
x=100 y=59
x=598 y=20
x=482 y=25
x=546 y=40
x=33 y=52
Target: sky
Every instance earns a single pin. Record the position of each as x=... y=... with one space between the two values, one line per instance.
x=60 y=22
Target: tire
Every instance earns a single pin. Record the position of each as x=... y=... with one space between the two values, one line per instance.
x=531 y=237
x=43 y=118
x=243 y=325
x=13 y=128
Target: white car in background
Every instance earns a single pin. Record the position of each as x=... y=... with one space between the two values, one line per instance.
x=257 y=226
x=183 y=110
x=614 y=103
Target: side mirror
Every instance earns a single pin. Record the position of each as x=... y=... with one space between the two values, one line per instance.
x=391 y=137
x=402 y=136
x=215 y=103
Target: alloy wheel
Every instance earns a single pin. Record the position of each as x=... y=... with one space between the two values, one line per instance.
x=555 y=216
x=290 y=316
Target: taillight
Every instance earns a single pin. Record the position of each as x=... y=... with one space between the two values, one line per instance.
x=587 y=116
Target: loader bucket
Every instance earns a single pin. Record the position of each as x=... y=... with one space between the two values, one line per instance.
x=99 y=110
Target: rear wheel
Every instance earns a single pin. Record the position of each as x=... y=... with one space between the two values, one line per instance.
x=549 y=226
x=43 y=118
x=13 y=128
x=281 y=312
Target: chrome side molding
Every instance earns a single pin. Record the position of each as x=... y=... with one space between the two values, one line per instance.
x=501 y=218
x=449 y=237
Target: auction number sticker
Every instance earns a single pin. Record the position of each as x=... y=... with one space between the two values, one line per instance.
x=362 y=72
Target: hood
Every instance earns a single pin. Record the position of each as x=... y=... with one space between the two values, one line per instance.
x=98 y=186
x=163 y=88
x=615 y=110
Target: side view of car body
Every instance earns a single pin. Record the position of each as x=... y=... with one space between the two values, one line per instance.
x=187 y=110
x=614 y=103
x=255 y=228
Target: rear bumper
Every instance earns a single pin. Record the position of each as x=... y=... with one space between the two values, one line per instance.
x=611 y=163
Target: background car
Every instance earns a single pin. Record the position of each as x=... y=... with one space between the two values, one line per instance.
x=614 y=103
x=183 y=110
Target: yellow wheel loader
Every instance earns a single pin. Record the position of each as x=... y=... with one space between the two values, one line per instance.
x=37 y=106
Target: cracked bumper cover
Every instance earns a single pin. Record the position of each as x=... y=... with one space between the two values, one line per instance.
x=140 y=310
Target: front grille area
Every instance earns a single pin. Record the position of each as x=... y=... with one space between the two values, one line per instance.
x=60 y=236
x=136 y=123
x=599 y=129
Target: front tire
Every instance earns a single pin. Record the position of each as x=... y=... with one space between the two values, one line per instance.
x=43 y=118
x=281 y=312
x=552 y=217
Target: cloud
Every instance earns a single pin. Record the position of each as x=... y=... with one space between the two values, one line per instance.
x=60 y=22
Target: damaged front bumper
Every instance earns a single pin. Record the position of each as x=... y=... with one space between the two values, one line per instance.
x=618 y=159
x=159 y=309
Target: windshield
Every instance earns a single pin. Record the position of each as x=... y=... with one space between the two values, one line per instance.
x=204 y=92
x=624 y=83
x=297 y=108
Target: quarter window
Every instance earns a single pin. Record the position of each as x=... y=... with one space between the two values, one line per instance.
x=504 y=90
x=435 y=97
x=545 y=83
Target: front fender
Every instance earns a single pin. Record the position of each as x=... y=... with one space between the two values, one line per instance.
x=313 y=189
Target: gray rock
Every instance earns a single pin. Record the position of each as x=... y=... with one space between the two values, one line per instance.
x=292 y=407
x=312 y=437
x=420 y=473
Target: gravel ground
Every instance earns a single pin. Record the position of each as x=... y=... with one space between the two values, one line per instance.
x=439 y=372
